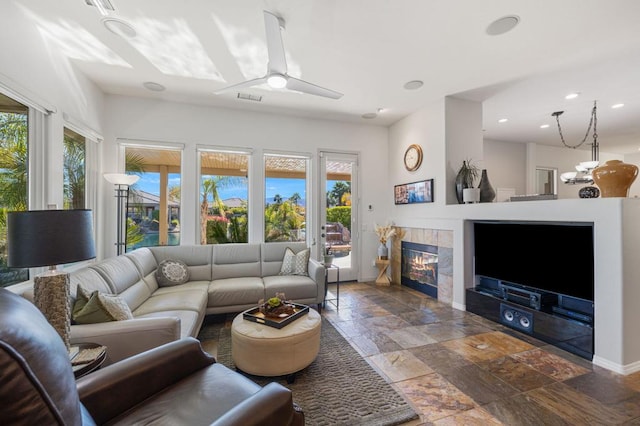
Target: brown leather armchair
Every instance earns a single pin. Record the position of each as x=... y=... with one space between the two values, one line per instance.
x=174 y=384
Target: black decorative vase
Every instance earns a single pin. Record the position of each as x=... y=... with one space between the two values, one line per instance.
x=462 y=181
x=459 y=187
x=487 y=193
x=589 y=192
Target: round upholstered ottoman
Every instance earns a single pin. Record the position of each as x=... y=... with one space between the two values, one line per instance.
x=267 y=351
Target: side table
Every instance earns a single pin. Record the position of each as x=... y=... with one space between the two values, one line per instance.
x=382 y=279
x=96 y=356
x=336 y=300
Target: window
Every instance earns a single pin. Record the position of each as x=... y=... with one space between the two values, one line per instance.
x=14 y=154
x=285 y=197
x=74 y=170
x=153 y=204
x=224 y=191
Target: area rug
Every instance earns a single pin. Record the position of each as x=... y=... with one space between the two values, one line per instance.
x=338 y=388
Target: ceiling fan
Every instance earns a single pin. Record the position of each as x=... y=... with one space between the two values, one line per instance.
x=277 y=76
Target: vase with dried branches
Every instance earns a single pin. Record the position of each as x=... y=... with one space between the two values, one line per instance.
x=467 y=175
x=384 y=233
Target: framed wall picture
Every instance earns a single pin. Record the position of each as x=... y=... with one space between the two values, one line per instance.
x=414 y=192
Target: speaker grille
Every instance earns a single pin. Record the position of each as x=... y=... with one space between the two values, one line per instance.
x=516 y=318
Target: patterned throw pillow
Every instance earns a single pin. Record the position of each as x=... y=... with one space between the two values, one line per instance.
x=172 y=272
x=295 y=263
x=99 y=307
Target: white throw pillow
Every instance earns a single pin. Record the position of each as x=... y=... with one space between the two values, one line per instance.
x=295 y=263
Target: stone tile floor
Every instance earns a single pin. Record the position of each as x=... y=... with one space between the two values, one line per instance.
x=457 y=368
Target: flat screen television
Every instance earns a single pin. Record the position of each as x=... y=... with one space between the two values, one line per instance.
x=552 y=256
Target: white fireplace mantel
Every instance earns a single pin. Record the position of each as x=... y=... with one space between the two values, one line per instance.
x=617 y=263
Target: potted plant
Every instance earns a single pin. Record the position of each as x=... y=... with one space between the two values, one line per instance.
x=328 y=255
x=467 y=174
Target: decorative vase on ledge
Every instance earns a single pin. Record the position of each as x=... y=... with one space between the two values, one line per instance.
x=471 y=195
x=383 y=252
x=487 y=193
x=614 y=178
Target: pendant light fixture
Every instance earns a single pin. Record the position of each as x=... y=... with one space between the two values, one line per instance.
x=582 y=175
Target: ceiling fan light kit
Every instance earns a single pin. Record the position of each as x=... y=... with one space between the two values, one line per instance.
x=277 y=76
x=277 y=81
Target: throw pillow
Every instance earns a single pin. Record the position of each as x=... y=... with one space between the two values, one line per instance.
x=172 y=272
x=295 y=263
x=99 y=307
x=82 y=297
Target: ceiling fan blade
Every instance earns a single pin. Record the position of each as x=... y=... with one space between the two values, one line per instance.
x=275 y=47
x=310 y=88
x=248 y=83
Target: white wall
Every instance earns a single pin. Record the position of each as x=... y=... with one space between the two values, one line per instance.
x=505 y=163
x=634 y=191
x=31 y=60
x=32 y=68
x=617 y=346
x=143 y=119
x=428 y=120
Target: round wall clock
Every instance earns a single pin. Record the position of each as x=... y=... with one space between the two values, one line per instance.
x=413 y=157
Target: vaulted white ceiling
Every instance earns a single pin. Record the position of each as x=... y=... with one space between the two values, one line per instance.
x=367 y=50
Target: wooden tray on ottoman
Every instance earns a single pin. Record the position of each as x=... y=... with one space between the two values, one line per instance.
x=255 y=315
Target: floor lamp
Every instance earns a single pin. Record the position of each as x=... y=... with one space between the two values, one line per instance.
x=50 y=238
x=122 y=182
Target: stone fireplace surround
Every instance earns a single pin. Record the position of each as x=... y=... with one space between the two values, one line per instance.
x=443 y=239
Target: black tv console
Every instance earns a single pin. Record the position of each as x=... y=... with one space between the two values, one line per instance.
x=542 y=316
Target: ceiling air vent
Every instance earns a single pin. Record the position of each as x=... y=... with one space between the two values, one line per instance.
x=248 y=97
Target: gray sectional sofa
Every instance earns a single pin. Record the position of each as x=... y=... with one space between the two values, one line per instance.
x=223 y=278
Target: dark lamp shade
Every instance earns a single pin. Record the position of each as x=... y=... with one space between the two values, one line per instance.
x=49 y=237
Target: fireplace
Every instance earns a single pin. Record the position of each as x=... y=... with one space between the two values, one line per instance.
x=419 y=267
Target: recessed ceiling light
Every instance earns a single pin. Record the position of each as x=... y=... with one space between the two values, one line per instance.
x=544 y=126
x=503 y=25
x=503 y=120
x=154 y=87
x=413 y=84
x=369 y=115
x=119 y=27
x=617 y=106
x=572 y=95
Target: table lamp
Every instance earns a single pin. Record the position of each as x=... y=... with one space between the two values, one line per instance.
x=50 y=238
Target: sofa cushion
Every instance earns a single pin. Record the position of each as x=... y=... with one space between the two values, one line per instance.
x=90 y=280
x=186 y=300
x=295 y=263
x=120 y=272
x=172 y=272
x=144 y=260
x=202 y=286
x=236 y=261
x=190 y=321
x=197 y=259
x=95 y=307
x=272 y=254
x=294 y=287
x=236 y=291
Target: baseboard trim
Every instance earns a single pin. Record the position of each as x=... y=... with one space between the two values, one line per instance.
x=459 y=306
x=615 y=367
